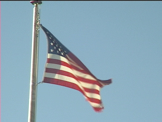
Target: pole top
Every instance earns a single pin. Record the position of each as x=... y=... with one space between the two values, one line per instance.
x=36 y=1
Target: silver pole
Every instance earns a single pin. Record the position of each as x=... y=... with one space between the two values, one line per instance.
x=34 y=63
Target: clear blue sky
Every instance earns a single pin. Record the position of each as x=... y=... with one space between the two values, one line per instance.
x=121 y=40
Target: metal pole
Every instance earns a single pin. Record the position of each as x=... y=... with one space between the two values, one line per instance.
x=34 y=63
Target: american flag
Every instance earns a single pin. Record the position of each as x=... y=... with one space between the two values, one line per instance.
x=65 y=69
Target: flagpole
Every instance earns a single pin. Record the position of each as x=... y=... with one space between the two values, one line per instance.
x=34 y=63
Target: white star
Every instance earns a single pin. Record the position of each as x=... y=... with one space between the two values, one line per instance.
x=62 y=53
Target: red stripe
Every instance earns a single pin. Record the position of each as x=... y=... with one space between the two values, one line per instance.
x=70 y=85
x=55 y=61
x=75 y=59
x=89 y=81
x=92 y=91
x=61 y=72
x=94 y=100
x=62 y=83
x=74 y=86
x=98 y=109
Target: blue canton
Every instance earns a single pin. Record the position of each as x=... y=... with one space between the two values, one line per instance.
x=54 y=45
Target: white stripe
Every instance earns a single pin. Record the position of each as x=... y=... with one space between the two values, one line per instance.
x=59 y=67
x=93 y=95
x=61 y=77
x=74 y=72
x=72 y=80
x=64 y=68
x=54 y=56
x=96 y=104
x=88 y=85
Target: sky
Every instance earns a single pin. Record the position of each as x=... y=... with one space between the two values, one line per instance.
x=121 y=40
